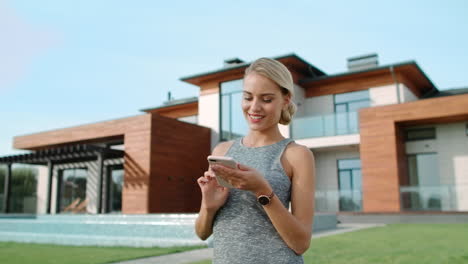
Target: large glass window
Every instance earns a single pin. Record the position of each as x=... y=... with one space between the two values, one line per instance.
x=23 y=196
x=346 y=104
x=115 y=180
x=2 y=186
x=423 y=169
x=233 y=124
x=424 y=191
x=72 y=190
x=350 y=184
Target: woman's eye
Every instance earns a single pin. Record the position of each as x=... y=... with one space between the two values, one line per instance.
x=267 y=100
x=248 y=98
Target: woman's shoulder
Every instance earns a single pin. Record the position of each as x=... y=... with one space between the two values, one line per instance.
x=295 y=152
x=222 y=148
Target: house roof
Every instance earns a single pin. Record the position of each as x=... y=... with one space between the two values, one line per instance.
x=292 y=60
x=172 y=103
x=410 y=69
x=447 y=92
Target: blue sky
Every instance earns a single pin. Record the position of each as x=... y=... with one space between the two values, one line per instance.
x=65 y=63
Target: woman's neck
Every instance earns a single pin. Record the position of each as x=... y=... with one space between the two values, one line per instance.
x=262 y=138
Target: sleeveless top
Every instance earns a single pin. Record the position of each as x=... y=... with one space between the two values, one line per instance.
x=242 y=231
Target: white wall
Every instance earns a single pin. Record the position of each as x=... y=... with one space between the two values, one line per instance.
x=42 y=182
x=451 y=146
x=406 y=95
x=208 y=115
x=299 y=99
x=453 y=149
x=326 y=171
x=318 y=105
x=385 y=95
x=193 y=119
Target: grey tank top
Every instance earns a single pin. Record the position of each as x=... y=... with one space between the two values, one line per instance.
x=242 y=231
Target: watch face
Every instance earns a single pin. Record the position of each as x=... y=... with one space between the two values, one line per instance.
x=263 y=200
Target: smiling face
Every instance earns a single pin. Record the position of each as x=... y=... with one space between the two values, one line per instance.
x=262 y=102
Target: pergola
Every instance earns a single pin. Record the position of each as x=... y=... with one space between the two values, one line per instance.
x=59 y=155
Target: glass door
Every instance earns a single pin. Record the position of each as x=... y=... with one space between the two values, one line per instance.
x=72 y=190
x=115 y=178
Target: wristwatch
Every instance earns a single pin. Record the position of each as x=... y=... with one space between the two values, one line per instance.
x=265 y=199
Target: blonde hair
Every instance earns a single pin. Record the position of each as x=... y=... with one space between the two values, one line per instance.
x=277 y=72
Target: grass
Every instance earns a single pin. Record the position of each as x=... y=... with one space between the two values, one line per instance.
x=22 y=253
x=392 y=244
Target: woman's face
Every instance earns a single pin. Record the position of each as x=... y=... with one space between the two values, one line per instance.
x=262 y=102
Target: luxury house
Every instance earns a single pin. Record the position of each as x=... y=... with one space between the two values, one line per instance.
x=385 y=139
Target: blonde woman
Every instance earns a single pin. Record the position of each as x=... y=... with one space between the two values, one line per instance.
x=251 y=223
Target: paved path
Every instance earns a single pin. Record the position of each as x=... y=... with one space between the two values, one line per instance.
x=207 y=253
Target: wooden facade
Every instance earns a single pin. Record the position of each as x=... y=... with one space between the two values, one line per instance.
x=383 y=159
x=154 y=146
x=408 y=74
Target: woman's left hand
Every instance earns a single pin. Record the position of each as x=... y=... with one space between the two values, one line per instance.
x=244 y=178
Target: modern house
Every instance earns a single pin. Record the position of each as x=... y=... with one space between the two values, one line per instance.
x=385 y=139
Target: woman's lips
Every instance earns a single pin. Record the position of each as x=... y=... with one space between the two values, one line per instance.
x=255 y=118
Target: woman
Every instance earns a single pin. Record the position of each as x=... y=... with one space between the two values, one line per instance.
x=251 y=223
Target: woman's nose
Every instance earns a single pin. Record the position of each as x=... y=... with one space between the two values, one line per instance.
x=255 y=105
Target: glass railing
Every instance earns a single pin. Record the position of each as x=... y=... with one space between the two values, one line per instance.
x=325 y=125
x=338 y=200
x=433 y=198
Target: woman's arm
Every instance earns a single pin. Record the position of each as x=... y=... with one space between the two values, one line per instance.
x=294 y=227
x=213 y=197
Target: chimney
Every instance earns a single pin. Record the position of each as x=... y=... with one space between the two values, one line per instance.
x=232 y=62
x=363 y=62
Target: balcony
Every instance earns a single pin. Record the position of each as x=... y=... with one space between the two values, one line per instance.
x=325 y=126
x=434 y=198
x=338 y=200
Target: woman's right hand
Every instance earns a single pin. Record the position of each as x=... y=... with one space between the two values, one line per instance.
x=213 y=195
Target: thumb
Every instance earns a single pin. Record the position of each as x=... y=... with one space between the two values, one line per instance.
x=243 y=167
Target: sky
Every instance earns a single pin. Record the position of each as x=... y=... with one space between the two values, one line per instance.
x=65 y=63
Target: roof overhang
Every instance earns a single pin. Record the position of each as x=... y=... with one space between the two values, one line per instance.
x=292 y=61
x=406 y=72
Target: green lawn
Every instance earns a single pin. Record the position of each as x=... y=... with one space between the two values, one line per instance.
x=19 y=253
x=392 y=244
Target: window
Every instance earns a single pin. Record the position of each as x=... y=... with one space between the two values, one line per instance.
x=72 y=188
x=23 y=196
x=232 y=123
x=351 y=102
x=350 y=184
x=114 y=191
x=420 y=134
x=423 y=169
x=3 y=169
x=424 y=191
x=346 y=106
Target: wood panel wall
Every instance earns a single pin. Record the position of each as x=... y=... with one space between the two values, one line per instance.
x=178 y=159
x=136 y=132
x=156 y=178
x=382 y=147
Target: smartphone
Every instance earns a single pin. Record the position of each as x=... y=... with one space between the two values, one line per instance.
x=225 y=161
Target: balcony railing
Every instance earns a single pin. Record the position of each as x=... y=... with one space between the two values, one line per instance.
x=325 y=125
x=338 y=200
x=434 y=198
